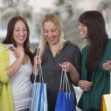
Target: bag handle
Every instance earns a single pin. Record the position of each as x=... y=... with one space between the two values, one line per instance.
x=64 y=81
x=67 y=82
x=39 y=70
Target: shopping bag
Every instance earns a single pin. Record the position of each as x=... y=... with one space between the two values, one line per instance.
x=65 y=98
x=65 y=102
x=39 y=97
x=106 y=102
x=39 y=94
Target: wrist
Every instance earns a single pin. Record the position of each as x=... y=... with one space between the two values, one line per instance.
x=20 y=59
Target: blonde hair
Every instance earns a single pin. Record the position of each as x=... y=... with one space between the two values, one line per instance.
x=56 y=21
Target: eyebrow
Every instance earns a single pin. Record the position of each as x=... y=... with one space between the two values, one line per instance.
x=20 y=27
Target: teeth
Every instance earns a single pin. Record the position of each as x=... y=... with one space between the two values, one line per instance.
x=21 y=37
x=51 y=38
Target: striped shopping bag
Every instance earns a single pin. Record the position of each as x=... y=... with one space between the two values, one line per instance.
x=39 y=94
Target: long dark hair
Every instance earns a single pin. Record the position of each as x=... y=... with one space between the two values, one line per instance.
x=9 y=36
x=97 y=37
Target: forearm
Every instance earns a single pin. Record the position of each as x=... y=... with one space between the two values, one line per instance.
x=11 y=70
x=74 y=74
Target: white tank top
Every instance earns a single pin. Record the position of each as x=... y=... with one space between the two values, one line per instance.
x=21 y=85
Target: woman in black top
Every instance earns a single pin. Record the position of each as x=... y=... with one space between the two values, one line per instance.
x=56 y=53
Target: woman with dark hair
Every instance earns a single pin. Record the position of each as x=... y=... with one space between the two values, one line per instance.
x=15 y=67
x=94 y=79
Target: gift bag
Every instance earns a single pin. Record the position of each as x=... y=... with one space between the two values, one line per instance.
x=39 y=94
x=65 y=98
x=106 y=100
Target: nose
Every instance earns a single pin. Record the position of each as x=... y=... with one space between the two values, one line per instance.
x=21 y=33
x=49 y=34
x=79 y=27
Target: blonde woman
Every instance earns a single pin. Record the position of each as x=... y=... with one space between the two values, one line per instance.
x=56 y=53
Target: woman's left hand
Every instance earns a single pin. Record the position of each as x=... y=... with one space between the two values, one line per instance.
x=68 y=66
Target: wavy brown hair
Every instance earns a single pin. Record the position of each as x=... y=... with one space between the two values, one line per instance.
x=9 y=36
x=97 y=38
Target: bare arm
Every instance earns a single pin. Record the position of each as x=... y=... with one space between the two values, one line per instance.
x=12 y=69
x=74 y=74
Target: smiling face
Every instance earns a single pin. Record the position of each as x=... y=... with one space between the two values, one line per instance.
x=83 y=31
x=20 y=32
x=50 y=33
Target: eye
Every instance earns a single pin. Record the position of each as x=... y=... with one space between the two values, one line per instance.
x=45 y=31
x=53 y=30
x=24 y=29
x=83 y=25
x=17 y=30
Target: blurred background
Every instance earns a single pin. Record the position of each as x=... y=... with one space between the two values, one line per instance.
x=68 y=10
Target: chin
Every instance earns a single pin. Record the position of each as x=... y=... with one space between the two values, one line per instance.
x=51 y=43
x=20 y=44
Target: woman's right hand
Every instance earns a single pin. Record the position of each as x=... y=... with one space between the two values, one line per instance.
x=37 y=61
x=107 y=66
x=19 y=51
x=85 y=85
x=20 y=54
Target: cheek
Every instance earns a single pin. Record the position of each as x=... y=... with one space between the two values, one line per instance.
x=86 y=33
x=45 y=35
x=14 y=35
x=86 y=30
x=56 y=34
x=79 y=28
x=26 y=33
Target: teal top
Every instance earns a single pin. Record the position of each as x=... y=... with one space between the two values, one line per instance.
x=6 y=99
x=100 y=79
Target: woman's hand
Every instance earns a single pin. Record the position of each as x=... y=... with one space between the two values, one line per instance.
x=19 y=51
x=107 y=66
x=85 y=85
x=37 y=61
x=20 y=54
x=69 y=67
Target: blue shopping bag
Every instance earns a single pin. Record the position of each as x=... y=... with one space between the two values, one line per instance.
x=39 y=95
x=65 y=98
